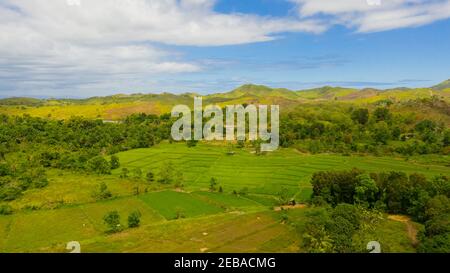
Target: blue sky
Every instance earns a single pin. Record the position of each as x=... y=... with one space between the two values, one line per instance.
x=74 y=49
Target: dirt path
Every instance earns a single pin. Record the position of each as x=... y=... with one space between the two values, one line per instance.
x=410 y=227
x=298 y=206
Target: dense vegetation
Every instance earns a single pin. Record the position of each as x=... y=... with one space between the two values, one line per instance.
x=355 y=194
x=350 y=129
x=346 y=206
x=28 y=145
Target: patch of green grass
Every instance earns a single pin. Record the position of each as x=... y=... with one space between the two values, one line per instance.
x=265 y=174
x=266 y=200
x=391 y=235
x=225 y=200
x=34 y=231
x=95 y=211
x=174 y=205
x=68 y=188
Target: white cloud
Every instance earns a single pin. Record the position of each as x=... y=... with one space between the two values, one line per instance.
x=365 y=16
x=48 y=46
x=51 y=43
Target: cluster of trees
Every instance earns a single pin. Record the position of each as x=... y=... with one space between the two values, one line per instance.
x=18 y=177
x=112 y=221
x=78 y=143
x=426 y=201
x=28 y=145
x=346 y=129
x=168 y=174
x=333 y=229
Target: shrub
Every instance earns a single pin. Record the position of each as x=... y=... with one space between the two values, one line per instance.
x=98 y=165
x=134 y=219
x=115 y=164
x=102 y=192
x=112 y=221
x=5 y=210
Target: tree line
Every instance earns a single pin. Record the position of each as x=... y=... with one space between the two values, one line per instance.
x=350 y=129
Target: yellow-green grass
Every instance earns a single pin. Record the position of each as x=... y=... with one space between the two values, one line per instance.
x=265 y=174
x=229 y=232
x=38 y=230
x=67 y=187
x=214 y=221
x=392 y=236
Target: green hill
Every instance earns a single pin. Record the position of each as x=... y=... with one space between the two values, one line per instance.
x=120 y=105
x=442 y=86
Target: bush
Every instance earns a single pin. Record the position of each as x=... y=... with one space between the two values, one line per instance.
x=150 y=177
x=124 y=173
x=10 y=193
x=112 y=221
x=98 y=165
x=102 y=192
x=115 y=164
x=5 y=210
x=191 y=143
x=134 y=219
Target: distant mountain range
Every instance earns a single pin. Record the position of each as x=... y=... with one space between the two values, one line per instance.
x=117 y=106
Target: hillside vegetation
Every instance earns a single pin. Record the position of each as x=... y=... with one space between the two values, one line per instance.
x=353 y=166
x=119 y=106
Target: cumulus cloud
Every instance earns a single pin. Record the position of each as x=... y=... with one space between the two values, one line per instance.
x=94 y=41
x=376 y=15
x=59 y=47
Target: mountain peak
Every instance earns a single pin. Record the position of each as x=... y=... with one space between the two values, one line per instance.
x=253 y=87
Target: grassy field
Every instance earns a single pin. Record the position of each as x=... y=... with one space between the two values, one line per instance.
x=192 y=219
x=263 y=175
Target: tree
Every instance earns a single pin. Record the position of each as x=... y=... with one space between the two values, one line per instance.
x=440 y=185
x=166 y=173
x=102 y=192
x=316 y=238
x=425 y=126
x=137 y=173
x=179 y=213
x=124 y=173
x=191 y=143
x=284 y=196
x=435 y=244
x=115 y=164
x=382 y=114
x=99 y=165
x=360 y=116
x=5 y=210
x=179 y=179
x=396 y=190
x=112 y=221
x=366 y=190
x=438 y=205
x=212 y=184
x=257 y=146
x=240 y=144
x=134 y=219
x=446 y=138
x=150 y=177
x=381 y=132
x=336 y=186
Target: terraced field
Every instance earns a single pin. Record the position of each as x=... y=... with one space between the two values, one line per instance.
x=263 y=175
x=192 y=219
